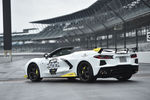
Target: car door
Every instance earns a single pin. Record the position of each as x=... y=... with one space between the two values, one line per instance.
x=56 y=64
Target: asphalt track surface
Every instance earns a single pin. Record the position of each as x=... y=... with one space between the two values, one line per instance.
x=14 y=87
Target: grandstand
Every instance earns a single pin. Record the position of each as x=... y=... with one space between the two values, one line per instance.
x=102 y=24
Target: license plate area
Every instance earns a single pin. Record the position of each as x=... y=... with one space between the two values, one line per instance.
x=123 y=59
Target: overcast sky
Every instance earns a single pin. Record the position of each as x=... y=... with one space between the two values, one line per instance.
x=25 y=11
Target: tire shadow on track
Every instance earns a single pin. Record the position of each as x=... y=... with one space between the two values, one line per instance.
x=78 y=81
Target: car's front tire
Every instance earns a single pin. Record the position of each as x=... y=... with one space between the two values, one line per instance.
x=124 y=77
x=85 y=72
x=34 y=73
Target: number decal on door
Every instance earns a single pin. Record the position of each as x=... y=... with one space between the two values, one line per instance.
x=53 y=65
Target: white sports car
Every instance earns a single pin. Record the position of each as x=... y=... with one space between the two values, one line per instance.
x=86 y=65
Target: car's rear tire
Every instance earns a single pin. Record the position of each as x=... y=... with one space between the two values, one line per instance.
x=124 y=77
x=85 y=72
x=34 y=73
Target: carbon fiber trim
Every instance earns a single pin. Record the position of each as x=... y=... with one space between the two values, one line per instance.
x=67 y=62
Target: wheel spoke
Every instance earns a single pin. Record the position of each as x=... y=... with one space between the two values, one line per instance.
x=84 y=72
x=33 y=73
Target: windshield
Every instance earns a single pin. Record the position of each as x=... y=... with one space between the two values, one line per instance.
x=64 y=51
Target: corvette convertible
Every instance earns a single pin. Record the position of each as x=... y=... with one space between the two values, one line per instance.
x=87 y=65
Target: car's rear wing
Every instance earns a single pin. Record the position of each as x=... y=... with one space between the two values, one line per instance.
x=117 y=50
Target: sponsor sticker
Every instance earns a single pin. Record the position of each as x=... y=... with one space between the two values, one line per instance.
x=53 y=65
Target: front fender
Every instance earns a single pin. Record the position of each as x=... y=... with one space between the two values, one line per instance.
x=37 y=61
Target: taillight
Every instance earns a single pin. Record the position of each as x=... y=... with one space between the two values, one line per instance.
x=133 y=55
x=104 y=57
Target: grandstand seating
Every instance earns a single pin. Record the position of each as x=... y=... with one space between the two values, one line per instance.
x=102 y=17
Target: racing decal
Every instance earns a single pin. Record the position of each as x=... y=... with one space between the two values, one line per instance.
x=69 y=75
x=99 y=50
x=53 y=65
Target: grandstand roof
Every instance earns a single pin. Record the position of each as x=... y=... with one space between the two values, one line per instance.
x=134 y=14
x=77 y=15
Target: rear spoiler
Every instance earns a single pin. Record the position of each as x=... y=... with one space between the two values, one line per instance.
x=99 y=50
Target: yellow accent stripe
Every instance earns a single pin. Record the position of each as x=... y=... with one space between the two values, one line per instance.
x=69 y=75
x=25 y=76
x=97 y=49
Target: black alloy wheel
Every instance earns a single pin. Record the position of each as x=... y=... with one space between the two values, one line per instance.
x=85 y=72
x=34 y=73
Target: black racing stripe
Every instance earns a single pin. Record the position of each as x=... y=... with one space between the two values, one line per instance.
x=66 y=61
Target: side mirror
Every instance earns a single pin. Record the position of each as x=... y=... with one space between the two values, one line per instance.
x=46 y=55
